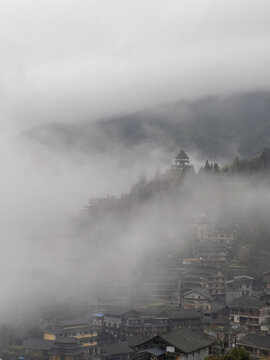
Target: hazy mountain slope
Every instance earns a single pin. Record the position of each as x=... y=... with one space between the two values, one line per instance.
x=216 y=127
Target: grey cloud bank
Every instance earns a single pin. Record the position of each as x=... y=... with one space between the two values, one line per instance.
x=74 y=60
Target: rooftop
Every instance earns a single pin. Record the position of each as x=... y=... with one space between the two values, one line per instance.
x=72 y=322
x=251 y=302
x=198 y=291
x=217 y=306
x=121 y=311
x=67 y=346
x=180 y=313
x=117 y=348
x=38 y=344
x=186 y=340
x=256 y=340
x=134 y=341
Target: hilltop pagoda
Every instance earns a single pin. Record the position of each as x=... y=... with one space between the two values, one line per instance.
x=181 y=161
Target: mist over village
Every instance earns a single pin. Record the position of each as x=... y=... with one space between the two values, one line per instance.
x=135 y=192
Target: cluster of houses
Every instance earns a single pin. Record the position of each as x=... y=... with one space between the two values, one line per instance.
x=200 y=326
x=154 y=333
x=195 y=311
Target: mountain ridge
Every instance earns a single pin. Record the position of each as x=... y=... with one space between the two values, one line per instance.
x=216 y=127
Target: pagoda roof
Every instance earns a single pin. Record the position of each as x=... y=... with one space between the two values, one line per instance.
x=182 y=155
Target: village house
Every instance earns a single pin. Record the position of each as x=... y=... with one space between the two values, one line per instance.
x=214 y=232
x=66 y=349
x=37 y=348
x=211 y=253
x=197 y=299
x=179 y=344
x=219 y=310
x=119 y=323
x=258 y=345
x=249 y=311
x=198 y=274
x=239 y=286
x=180 y=318
x=167 y=318
x=151 y=321
x=61 y=349
x=79 y=329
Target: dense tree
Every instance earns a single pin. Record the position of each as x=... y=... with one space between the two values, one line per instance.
x=237 y=354
x=260 y=163
x=233 y=354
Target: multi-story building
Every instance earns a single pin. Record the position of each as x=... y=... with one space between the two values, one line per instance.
x=149 y=321
x=66 y=349
x=249 y=311
x=79 y=329
x=209 y=278
x=215 y=232
x=211 y=253
x=61 y=349
x=119 y=321
x=239 y=286
x=168 y=318
x=184 y=318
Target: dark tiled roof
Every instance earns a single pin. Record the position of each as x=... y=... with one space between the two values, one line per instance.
x=38 y=344
x=246 y=301
x=180 y=313
x=200 y=292
x=72 y=322
x=182 y=155
x=153 y=310
x=117 y=348
x=134 y=341
x=56 y=330
x=186 y=341
x=217 y=306
x=256 y=340
x=67 y=346
x=120 y=311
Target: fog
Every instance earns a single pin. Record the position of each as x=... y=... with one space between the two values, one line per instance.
x=53 y=250
x=70 y=61
x=86 y=59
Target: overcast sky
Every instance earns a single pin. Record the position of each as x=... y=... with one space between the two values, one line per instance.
x=64 y=60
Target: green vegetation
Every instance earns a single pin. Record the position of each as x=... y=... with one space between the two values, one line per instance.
x=234 y=354
x=254 y=165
